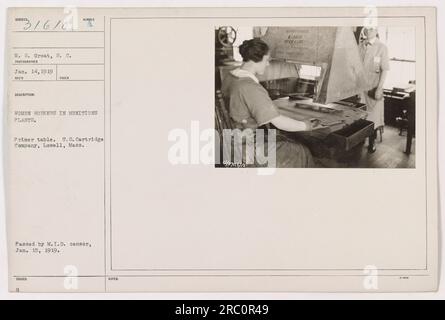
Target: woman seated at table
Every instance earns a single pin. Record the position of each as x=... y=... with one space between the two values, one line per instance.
x=251 y=106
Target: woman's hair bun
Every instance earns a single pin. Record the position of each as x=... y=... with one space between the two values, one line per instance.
x=254 y=49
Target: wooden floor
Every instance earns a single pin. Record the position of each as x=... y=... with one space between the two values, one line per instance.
x=390 y=153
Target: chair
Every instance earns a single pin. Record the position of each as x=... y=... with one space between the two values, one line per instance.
x=222 y=112
x=223 y=121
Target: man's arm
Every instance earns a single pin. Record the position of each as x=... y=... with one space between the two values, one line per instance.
x=383 y=73
x=379 y=90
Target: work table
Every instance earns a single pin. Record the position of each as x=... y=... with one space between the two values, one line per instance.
x=344 y=126
x=333 y=116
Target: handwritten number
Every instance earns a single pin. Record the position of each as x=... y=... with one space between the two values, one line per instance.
x=27 y=26
x=45 y=25
x=57 y=25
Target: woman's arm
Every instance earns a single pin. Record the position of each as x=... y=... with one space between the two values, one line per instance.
x=288 y=124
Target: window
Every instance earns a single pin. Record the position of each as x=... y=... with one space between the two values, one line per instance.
x=402 y=54
x=309 y=72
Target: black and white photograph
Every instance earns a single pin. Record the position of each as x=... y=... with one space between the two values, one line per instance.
x=214 y=152
x=333 y=97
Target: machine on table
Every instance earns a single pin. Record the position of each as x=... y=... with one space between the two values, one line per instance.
x=315 y=73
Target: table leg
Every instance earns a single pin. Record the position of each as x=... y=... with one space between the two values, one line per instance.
x=409 y=140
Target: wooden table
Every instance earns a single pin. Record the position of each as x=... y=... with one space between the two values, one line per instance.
x=344 y=127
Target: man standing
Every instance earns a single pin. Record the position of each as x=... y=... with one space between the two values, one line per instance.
x=375 y=59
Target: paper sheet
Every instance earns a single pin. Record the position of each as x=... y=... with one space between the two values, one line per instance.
x=99 y=201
